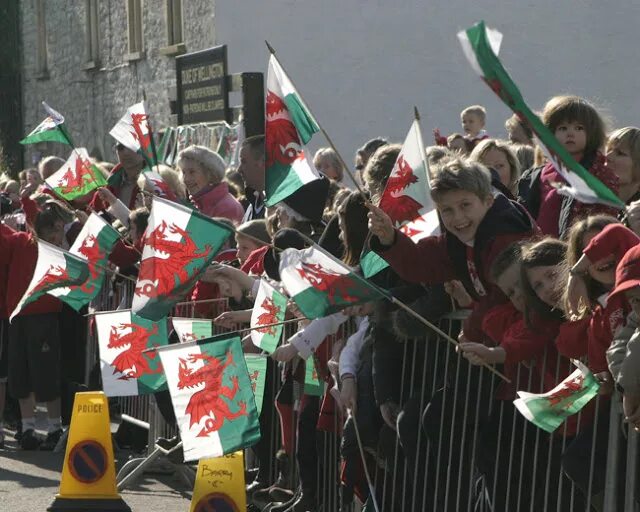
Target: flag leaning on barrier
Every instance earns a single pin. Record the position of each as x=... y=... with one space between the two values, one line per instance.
x=77 y=176
x=134 y=132
x=127 y=370
x=481 y=46
x=95 y=242
x=212 y=396
x=548 y=410
x=257 y=367
x=55 y=268
x=312 y=384
x=179 y=244
x=192 y=329
x=406 y=198
x=269 y=307
x=320 y=285
x=50 y=130
x=288 y=127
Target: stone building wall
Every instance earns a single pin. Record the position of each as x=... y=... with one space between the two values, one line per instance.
x=93 y=97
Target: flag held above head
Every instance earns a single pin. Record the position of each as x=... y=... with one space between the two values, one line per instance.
x=77 y=177
x=51 y=129
x=134 y=132
x=481 y=46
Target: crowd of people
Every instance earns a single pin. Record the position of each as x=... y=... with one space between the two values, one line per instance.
x=542 y=277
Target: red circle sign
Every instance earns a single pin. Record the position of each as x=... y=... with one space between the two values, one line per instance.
x=216 y=502
x=87 y=461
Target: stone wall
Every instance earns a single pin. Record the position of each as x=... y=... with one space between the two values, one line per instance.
x=93 y=99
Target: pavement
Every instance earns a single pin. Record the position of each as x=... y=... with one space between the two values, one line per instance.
x=30 y=479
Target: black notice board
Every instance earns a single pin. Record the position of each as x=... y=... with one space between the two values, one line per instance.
x=202 y=86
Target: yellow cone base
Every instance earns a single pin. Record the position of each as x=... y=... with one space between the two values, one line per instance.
x=87 y=505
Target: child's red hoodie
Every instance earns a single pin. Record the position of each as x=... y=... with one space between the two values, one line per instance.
x=20 y=251
x=437 y=259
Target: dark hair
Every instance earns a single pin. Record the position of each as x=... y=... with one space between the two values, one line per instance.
x=461 y=174
x=49 y=215
x=353 y=212
x=505 y=259
x=140 y=218
x=256 y=228
x=371 y=146
x=255 y=145
x=546 y=252
x=563 y=109
x=379 y=167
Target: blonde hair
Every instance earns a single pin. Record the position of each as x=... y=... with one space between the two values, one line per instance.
x=461 y=174
x=210 y=162
x=170 y=176
x=331 y=157
x=628 y=137
x=483 y=147
x=477 y=110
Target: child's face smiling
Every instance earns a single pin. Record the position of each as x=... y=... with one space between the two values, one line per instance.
x=573 y=137
x=471 y=124
x=544 y=282
x=461 y=212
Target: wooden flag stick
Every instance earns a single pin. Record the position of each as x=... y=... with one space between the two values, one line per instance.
x=372 y=490
x=324 y=132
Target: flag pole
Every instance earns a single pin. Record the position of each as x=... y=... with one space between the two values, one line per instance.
x=372 y=490
x=324 y=132
x=402 y=305
x=152 y=141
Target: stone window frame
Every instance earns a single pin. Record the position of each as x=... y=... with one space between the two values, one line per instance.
x=175 y=28
x=42 y=67
x=92 y=35
x=135 y=39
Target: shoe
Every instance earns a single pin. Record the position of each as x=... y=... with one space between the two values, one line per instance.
x=18 y=435
x=51 y=441
x=29 y=440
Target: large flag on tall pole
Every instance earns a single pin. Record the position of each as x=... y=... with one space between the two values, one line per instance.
x=407 y=198
x=321 y=285
x=211 y=395
x=94 y=243
x=481 y=46
x=288 y=127
x=123 y=338
x=55 y=268
x=134 y=132
x=179 y=244
x=77 y=177
x=51 y=129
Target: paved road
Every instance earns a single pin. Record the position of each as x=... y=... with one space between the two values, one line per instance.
x=29 y=480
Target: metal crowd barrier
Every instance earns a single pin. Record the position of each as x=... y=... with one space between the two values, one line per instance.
x=449 y=408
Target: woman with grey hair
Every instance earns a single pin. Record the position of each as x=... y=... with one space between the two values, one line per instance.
x=202 y=172
x=327 y=162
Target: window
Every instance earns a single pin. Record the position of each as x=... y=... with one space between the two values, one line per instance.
x=92 y=34
x=134 y=22
x=41 y=43
x=174 y=22
x=173 y=12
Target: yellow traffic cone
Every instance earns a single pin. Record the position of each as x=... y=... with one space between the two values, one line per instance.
x=89 y=473
x=220 y=485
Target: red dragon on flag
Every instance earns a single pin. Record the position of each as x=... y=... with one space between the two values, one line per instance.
x=158 y=273
x=72 y=179
x=282 y=142
x=91 y=250
x=132 y=362
x=209 y=402
x=336 y=286
x=270 y=316
x=566 y=391
x=53 y=275
x=401 y=208
x=143 y=136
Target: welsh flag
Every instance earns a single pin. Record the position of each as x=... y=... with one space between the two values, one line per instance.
x=407 y=198
x=127 y=370
x=211 y=395
x=288 y=127
x=269 y=308
x=257 y=367
x=50 y=130
x=77 y=177
x=548 y=410
x=321 y=285
x=312 y=384
x=55 y=268
x=179 y=244
x=134 y=131
x=191 y=329
x=157 y=186
x=481 y=46
x=228 y=139
x=94 y=243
